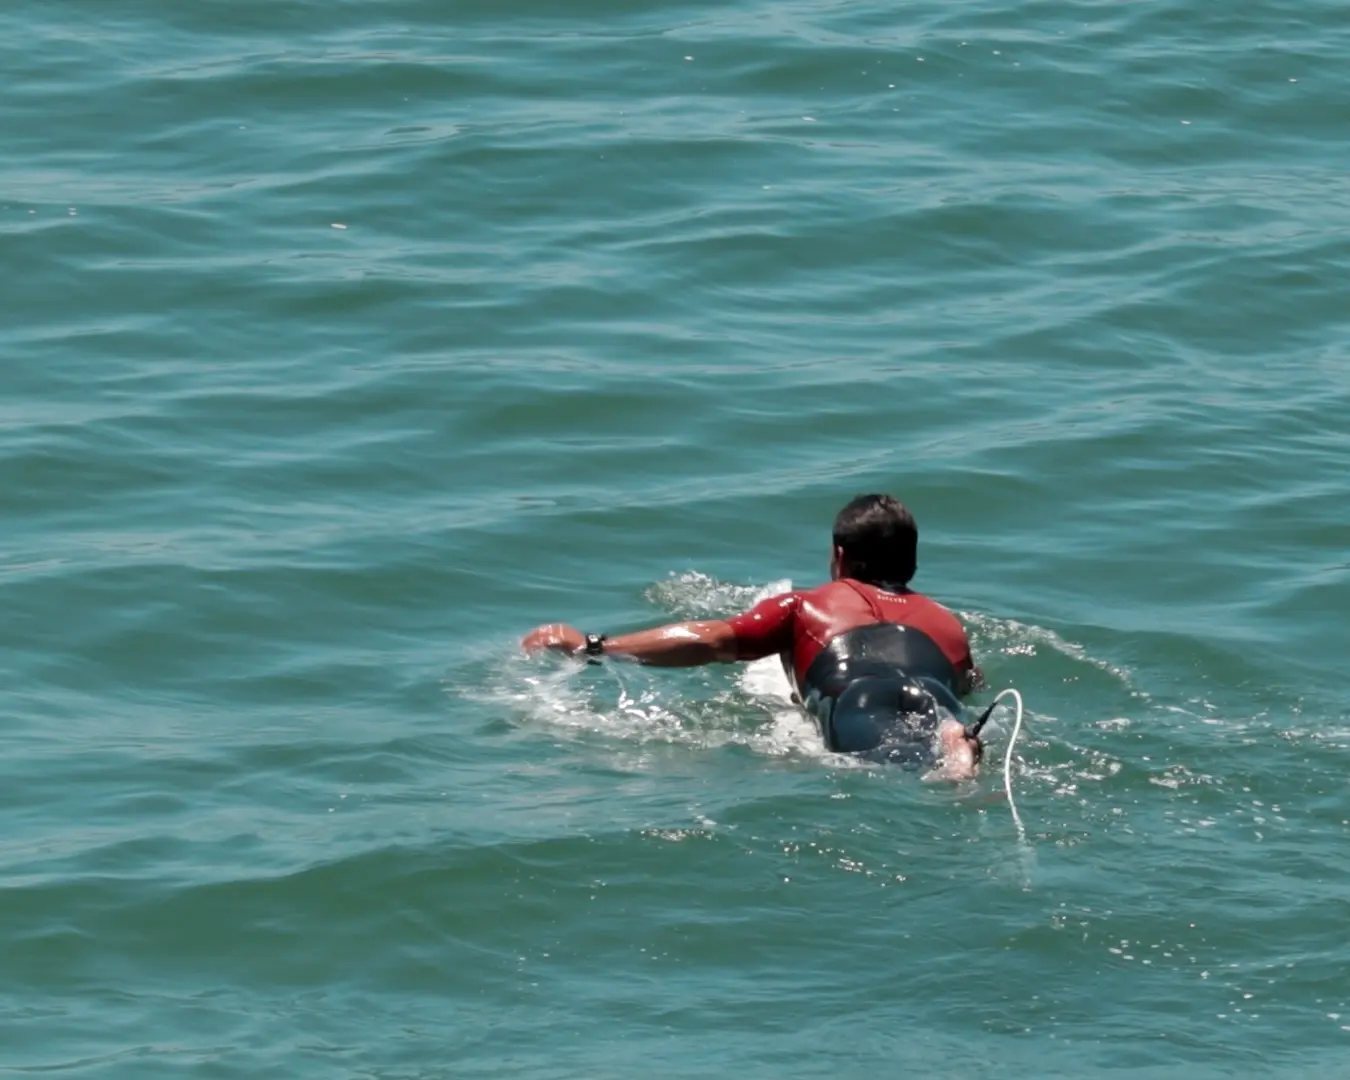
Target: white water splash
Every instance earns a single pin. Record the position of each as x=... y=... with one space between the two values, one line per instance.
x=750 y=706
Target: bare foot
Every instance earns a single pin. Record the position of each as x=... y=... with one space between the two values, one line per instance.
x=960 y=754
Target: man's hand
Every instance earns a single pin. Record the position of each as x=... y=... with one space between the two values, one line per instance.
x=556 y=637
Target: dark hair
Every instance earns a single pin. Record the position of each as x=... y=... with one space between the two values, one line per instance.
x=878 y=536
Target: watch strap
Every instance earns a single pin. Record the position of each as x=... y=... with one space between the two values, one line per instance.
x=595 y=644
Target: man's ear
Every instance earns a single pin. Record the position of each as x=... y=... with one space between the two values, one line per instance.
x=838 y=563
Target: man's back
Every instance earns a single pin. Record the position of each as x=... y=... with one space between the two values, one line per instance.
x=801 y=624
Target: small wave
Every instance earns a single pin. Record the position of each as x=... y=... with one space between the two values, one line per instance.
x=1013 y=638
x=694 y=595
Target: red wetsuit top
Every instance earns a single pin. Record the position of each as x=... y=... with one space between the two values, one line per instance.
x=798 y=625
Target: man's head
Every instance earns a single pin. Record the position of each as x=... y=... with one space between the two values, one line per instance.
x=875 y=541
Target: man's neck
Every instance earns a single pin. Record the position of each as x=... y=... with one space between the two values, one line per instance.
x=889 y=587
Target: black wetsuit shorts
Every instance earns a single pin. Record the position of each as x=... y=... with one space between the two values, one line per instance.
x=880 y=691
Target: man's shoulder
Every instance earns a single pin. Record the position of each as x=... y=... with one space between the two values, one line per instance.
x=828 y=591
x=847 y=591
x=938 y=621
x=936 y=607
x=924 y=600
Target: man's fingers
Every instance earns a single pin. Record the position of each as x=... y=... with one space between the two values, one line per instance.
x=536 y=639
x=558 y=637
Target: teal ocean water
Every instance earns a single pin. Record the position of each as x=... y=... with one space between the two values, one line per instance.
x=342 y=343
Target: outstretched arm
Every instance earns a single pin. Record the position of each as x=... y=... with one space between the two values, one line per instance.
x=762 y=631
x=683 y=644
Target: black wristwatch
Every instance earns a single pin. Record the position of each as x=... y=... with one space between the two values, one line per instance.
x=595 y=645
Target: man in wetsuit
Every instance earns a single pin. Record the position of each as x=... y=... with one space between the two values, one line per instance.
x=878 y=666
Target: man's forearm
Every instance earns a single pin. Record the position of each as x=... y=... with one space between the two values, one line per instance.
x=686 y=644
